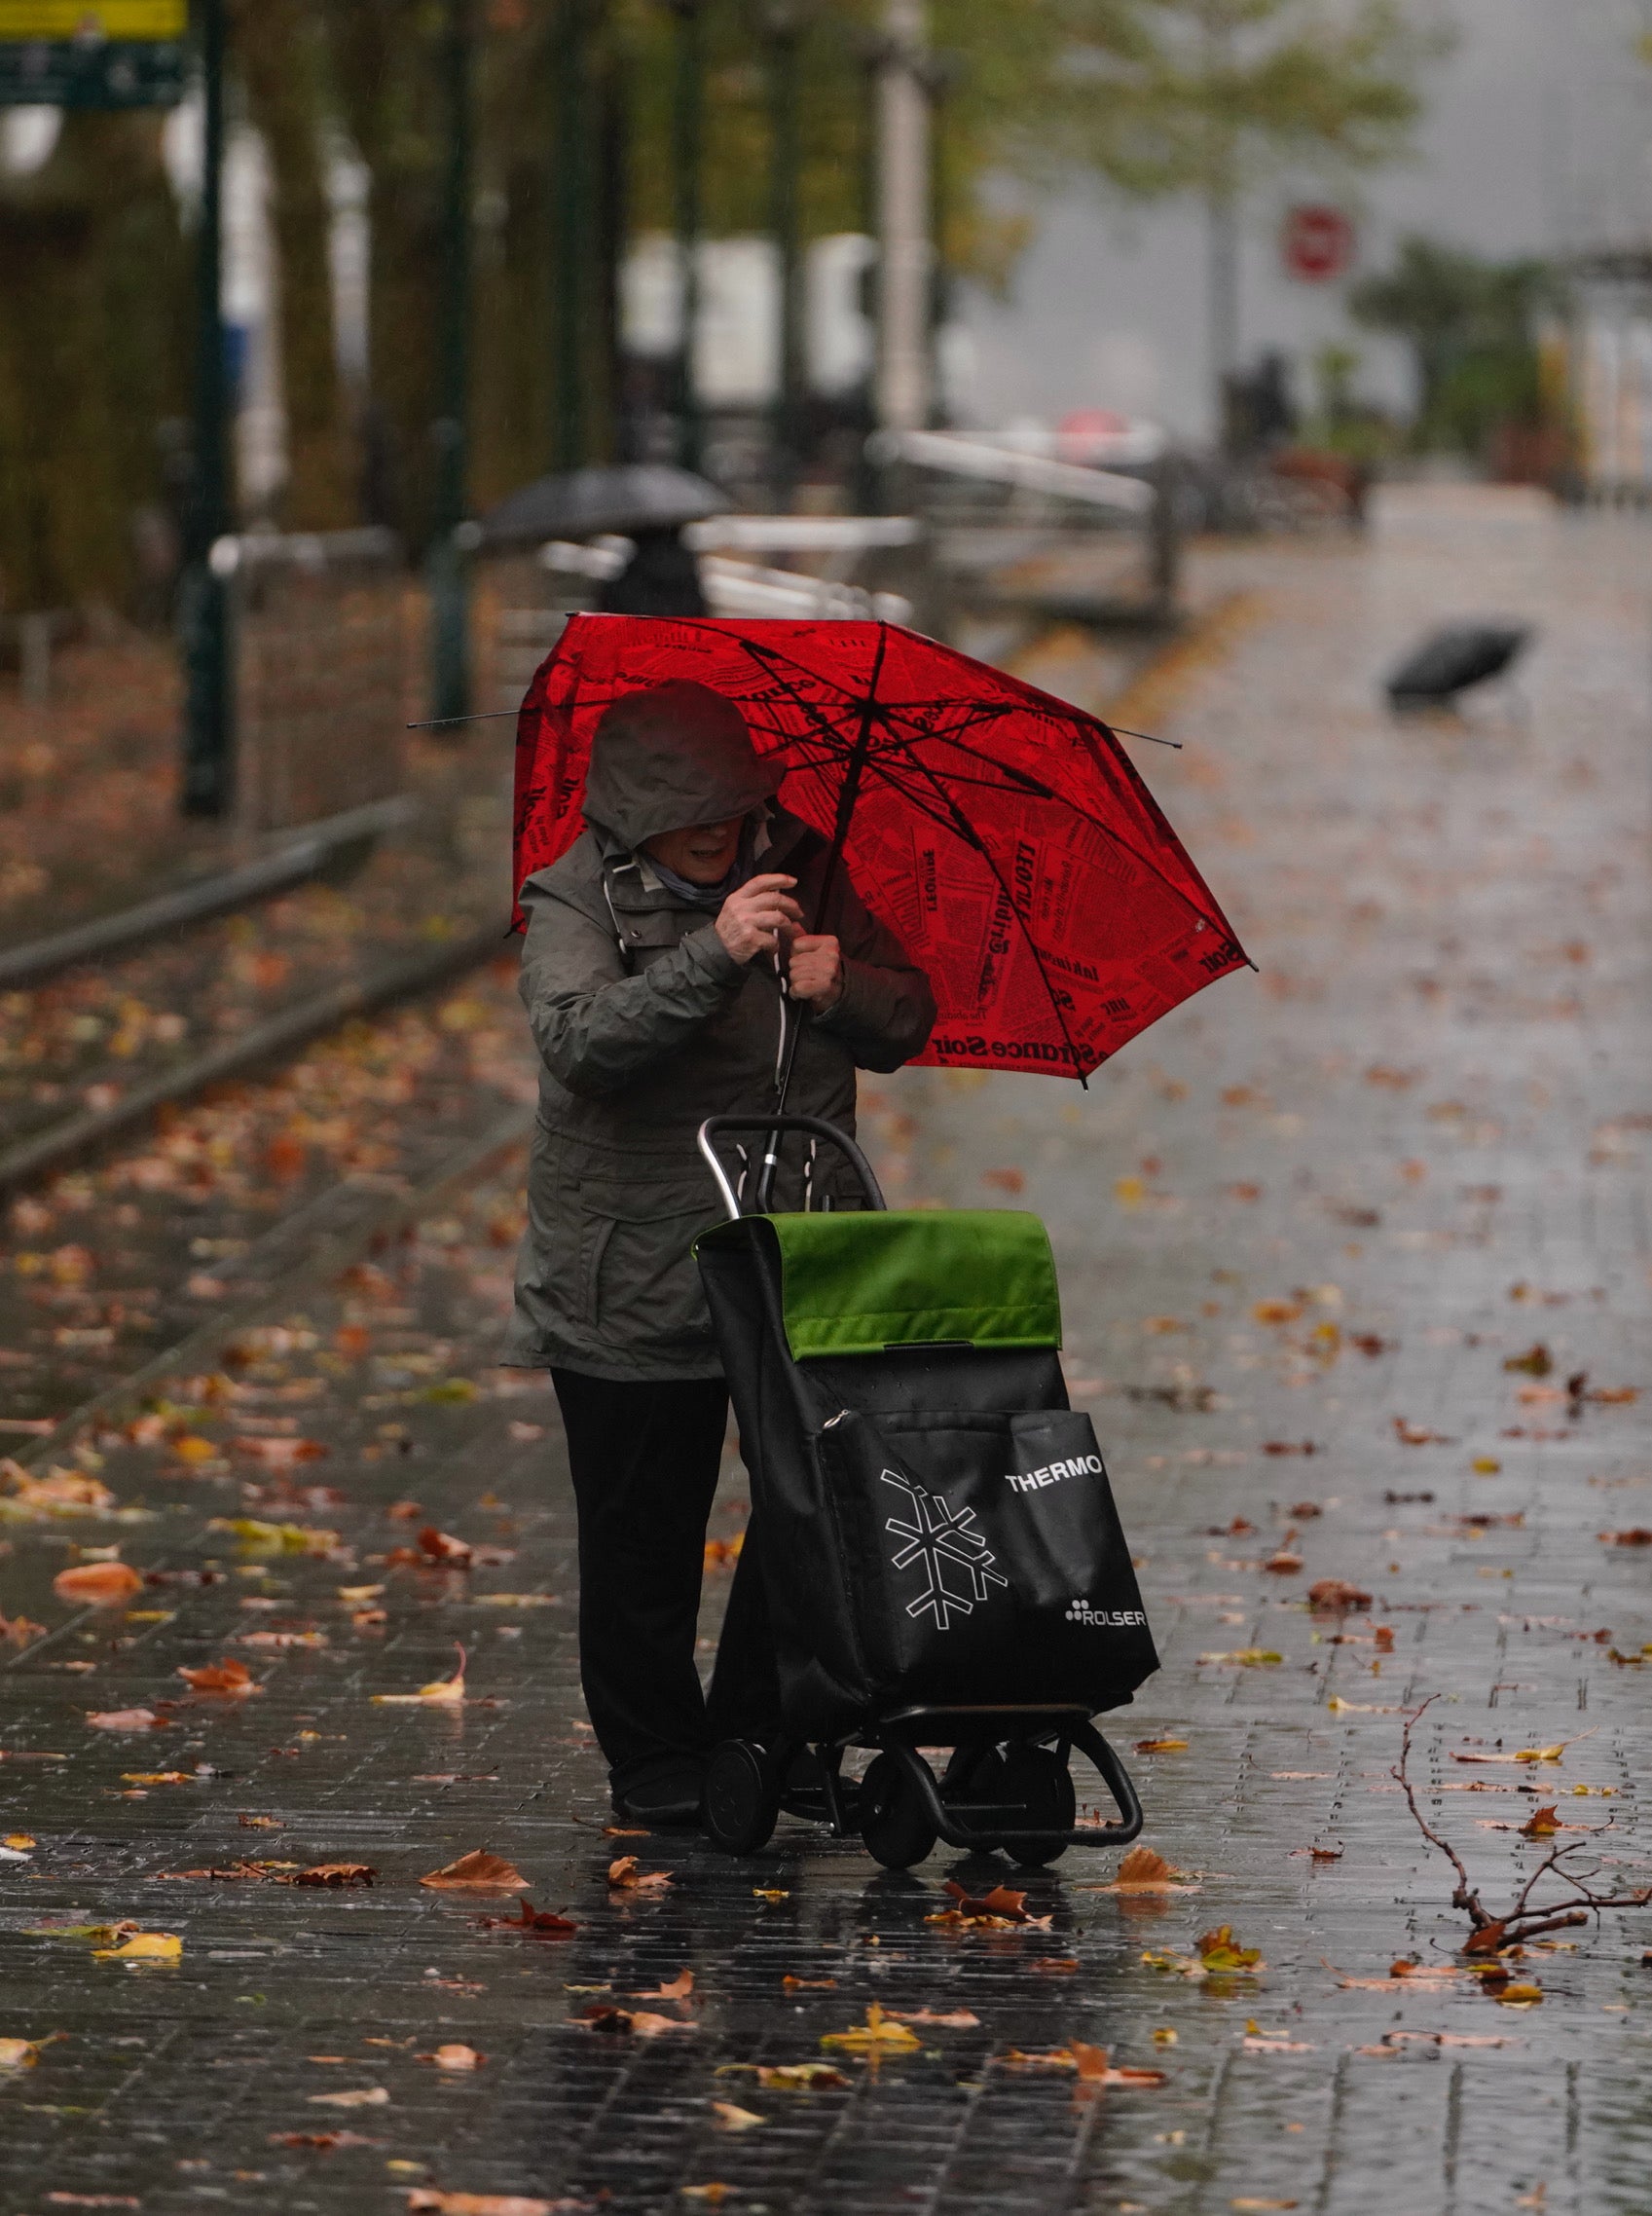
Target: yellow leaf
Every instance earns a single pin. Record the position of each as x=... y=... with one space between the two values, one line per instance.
x=730 y=2117
x=444 y=1690
x=283 y=1539
x=142 y=1946
x=1519 y=1996
x=878 y=2035
x=1540 y=1753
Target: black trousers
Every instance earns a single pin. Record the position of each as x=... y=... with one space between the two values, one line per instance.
x=645 y=1460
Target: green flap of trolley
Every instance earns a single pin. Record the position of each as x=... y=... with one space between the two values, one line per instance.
x=862 y=1281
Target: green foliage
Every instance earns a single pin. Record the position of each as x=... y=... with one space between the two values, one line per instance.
x=1214 y=96
x=1472 y=327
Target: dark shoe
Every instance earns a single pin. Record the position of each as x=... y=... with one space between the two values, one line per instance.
x=669 y=1799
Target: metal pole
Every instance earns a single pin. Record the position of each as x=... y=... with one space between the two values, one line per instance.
x=202 y=593
x=903 y=220
x=785 y=42
x=567 y=429
x=446 y=562
x=688 y=122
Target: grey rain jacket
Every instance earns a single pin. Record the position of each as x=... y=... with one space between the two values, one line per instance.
x=646 y=1024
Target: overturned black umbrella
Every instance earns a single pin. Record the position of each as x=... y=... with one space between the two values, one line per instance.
x=628 y=499
x=1448 y=661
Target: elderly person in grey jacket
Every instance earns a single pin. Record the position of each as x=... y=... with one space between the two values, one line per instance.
x=666 y=954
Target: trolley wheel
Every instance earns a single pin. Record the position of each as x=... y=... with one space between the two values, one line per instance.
x=895 y=1827
x=1035 y=1789
x=742 y=1797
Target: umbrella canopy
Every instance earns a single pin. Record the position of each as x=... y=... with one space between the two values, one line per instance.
x=1448 y=661
x=579 y=503
x=1003 y=836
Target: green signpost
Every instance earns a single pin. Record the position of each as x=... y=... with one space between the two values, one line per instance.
x=93 y=54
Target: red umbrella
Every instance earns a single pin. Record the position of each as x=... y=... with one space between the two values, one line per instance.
x=1003 y=836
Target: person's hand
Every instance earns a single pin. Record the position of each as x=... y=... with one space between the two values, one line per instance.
x=815 y=971
x=757 y=916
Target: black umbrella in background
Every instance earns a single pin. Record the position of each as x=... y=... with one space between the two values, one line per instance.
x=628 y=500
x=1448 y=663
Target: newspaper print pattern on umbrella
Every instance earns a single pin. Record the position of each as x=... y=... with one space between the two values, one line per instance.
x=1003 y=834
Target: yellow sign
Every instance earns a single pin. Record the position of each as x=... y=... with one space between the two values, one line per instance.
x=22 y=20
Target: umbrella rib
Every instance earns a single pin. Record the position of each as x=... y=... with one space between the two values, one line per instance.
x=966 y=831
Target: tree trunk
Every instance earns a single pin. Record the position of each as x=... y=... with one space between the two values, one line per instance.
x=276 y=44
x=94 y=283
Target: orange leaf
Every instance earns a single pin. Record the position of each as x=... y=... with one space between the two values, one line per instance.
x=127 y=1719
x=97 y=1581
x=232 y=1678
x=477 y=1872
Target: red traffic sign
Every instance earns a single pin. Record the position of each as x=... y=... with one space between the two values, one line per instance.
x=1317 y=243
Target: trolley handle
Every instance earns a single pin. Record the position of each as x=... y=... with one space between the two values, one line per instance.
x=777 y=1126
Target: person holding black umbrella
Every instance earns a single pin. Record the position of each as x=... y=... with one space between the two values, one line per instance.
x=666 y=973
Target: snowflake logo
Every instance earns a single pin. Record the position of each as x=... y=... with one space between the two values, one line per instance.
x=957 y=1562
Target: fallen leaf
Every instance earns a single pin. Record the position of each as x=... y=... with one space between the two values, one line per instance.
x=1276 y=1311
x=125 y=1719
x=1416 y=1435
x=716 y=2193
x=142 y=1946
x=337 y=1874
x=641 y=2023
x=956 y=2020
x=792 y=1984
x=1145 y=1870
x=323 y=2141
x=1535 y=1363
x=1542 y=1824
x=1517 y=1996
x=625 y=1877
x=721 y=1554
x=284 y=1538
x=23 y=2054
x=444 y=1691
x=423 y=2201
x=451 y=1553
x=878 y=2035
x=98 y=1582
x=1055 y=1965
x=1449 y=2039
x=279 y=1453
x=359 y=2096
x=1262 y=2042
x=1638 y=1536
x=1094 y=2068
x=1161 y=1747
x=1246 y=1658
x=1000 y=1910
x=530 y=1919
x=477 y=1872
x=1334 y=1597
x=1220 y=1950
x=792 y=2077
x=453 y=2058
x=678 y=1989
x=230 y=1678
x=726 y=2117
x=1249 y=2202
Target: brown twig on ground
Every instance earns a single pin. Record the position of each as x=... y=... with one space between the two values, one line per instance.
x=1492 y=1934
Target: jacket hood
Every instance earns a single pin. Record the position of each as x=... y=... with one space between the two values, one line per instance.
x=670 y=759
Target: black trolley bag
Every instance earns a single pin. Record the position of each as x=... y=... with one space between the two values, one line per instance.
x=938 y=1549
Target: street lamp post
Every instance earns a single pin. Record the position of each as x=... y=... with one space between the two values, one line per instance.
x=903 y=220
x=450 y=657
x=204 y=593
x=687 y=129
x=784 y=21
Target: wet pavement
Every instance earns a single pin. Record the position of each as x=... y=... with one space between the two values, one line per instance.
x=1303 y=1226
